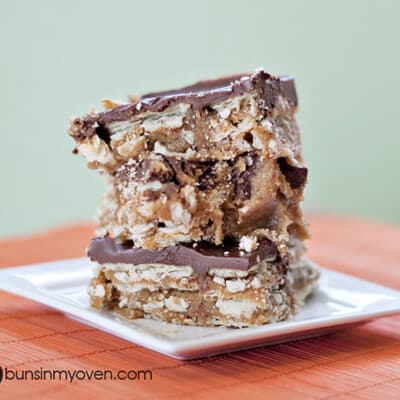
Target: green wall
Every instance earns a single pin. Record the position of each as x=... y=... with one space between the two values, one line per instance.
x=58 y=58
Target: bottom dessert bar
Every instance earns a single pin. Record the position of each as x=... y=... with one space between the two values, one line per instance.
x=268 y=291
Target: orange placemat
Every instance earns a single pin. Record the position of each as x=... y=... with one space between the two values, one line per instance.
x=358 y=363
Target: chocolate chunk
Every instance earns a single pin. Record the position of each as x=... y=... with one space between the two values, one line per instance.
x=242 y=180
x=288 y=89
x=296 y=176
x=199 y=96
x=182 y=169
x=202 y=258
x=203 y=172
x=208 y=178
x=103 y=133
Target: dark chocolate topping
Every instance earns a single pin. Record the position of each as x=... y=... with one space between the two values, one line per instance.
x=202 y=258
x=198 y=96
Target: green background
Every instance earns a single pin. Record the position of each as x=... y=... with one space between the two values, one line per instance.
x=58 y=58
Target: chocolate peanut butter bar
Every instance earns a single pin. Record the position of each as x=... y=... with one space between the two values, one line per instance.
x=203 y=201
x=207 y=285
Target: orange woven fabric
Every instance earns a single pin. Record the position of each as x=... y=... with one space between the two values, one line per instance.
x=357 y=363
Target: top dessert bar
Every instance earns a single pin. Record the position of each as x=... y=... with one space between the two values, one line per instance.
x=219 y=160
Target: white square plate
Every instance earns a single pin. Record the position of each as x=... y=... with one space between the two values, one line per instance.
x=341 y=300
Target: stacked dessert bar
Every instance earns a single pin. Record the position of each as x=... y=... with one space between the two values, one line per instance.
x=201 y=223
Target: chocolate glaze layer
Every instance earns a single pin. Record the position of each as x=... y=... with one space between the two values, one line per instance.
x=204 y=257
x=199 y=96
